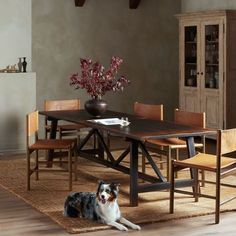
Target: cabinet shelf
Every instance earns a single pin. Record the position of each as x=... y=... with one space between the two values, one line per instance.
x=209 y=88
x=212 y=64
x=190 y=63
x=191 y=42
x=212 y=42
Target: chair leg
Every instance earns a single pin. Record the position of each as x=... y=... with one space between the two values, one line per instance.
x=217 y=203
x=177 y=158
x=70 y=169
x=172 y=187
x=169 y=164
x=203 y=178
x=37 y=165
x=28 y=170
x=143 y=163
x=196 y=185
x=204 y=151
x=75 y=164
x=161 y=159
x=60 y=158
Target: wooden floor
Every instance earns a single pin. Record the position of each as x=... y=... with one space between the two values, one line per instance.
x=18 y=218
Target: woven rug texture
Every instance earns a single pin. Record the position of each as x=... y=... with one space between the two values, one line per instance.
x=48 y=195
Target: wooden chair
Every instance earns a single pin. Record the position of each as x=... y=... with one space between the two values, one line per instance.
x=167 y=145
x=154 y=112
x=68 y=129
x=222 y=166
x=33 y=143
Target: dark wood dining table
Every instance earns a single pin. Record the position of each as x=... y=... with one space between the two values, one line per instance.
x=136 y=133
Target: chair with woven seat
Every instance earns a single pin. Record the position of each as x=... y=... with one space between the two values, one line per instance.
x=148 y=111
x=167 y=145
x=34 y=144
x=221 y=165
x=68 y=129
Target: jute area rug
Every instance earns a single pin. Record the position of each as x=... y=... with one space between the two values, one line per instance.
x=48 y=195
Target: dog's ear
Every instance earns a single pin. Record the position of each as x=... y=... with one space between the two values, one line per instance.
x=115 y=186
x=100 y=182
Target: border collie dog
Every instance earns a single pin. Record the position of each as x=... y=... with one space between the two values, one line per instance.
x=101 y=206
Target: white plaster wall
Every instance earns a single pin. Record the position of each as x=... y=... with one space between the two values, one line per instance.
x=17 y=98
x=15 y=32
x=17 y=90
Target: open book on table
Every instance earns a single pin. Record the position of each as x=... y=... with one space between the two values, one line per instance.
x=110 y=121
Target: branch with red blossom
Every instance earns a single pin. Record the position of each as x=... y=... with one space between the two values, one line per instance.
x=96 y=80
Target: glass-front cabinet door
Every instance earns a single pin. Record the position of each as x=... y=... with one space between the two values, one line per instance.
x=189 y=64
x=201 y=73
x=208 y=53
x=190 y=56
x=211 y=72
x=211 y=51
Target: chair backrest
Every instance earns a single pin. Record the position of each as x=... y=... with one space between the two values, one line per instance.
x=190 y=118
x=154 y=112
x=32 y=127
x=32 y=123
x=55 y=105
x=226 y=141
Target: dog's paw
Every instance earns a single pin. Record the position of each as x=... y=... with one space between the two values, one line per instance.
x=136 y=227
x=122 y=228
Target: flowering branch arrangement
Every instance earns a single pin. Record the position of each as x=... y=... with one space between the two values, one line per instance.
x=96 y=80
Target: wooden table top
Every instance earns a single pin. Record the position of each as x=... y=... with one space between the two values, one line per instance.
x=139 y=128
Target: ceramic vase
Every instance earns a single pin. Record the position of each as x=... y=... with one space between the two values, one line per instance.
x=95 y=107
x=24 y=64
x=19 y=65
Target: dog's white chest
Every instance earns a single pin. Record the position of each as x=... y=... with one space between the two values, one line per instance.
x=110 y=212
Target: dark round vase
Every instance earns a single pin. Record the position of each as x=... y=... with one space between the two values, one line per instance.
x=95 y=107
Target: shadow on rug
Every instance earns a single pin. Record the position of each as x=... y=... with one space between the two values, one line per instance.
x=48 y=195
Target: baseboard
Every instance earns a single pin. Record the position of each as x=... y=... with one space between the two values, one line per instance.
x=12 y=151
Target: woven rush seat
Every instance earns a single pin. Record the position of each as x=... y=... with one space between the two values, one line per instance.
x=171 y=142
x=206 y=162
x=50 y=144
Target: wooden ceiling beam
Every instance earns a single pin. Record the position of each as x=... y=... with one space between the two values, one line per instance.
x=133 y=4
x=79 y=3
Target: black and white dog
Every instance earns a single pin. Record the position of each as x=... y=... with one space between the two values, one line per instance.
x=101 y=206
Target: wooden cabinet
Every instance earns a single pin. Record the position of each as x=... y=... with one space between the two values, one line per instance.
x=207 y=66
